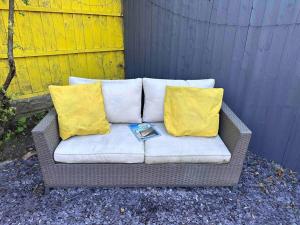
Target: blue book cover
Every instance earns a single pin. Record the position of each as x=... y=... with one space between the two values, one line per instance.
x=143 y=131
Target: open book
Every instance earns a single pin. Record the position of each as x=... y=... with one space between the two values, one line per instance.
x=143 y=131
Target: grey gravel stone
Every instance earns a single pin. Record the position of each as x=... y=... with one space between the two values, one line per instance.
x=266 y=194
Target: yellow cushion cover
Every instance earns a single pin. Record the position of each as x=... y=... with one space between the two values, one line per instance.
x=80 y=109
x=192 y=111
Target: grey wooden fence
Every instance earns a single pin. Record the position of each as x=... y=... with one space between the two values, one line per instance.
x=251 y=48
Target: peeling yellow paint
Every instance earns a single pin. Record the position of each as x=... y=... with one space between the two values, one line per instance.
x=55 y=39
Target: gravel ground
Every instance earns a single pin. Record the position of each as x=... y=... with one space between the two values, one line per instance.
x=266 y=194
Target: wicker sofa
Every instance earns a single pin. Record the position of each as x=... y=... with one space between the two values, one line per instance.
x=233 y=132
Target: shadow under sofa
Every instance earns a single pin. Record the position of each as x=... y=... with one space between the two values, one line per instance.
x=234 y=134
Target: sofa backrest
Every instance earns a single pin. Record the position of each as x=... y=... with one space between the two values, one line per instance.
x=154 y=90
x=122 y=98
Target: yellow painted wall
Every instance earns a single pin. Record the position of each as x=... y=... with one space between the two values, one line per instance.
x=58 y=38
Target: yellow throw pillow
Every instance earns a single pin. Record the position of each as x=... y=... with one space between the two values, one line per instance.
x=80 y=109
x=192 y=111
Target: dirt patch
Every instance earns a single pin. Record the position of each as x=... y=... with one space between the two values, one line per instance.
x=16 y=148
x=22 y=142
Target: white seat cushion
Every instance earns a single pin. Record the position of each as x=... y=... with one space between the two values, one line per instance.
x=119 y=146
x=122 y=98
x=155 y=89
x=170 y=149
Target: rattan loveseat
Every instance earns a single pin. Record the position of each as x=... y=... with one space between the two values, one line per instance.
x=233 y=133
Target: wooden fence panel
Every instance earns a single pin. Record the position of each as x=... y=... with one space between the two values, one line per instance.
x=56 y=38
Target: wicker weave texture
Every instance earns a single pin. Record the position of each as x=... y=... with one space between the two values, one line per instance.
x=233 y=132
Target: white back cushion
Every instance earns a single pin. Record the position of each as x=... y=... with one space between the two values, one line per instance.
x=122 y=98
x=154 y=90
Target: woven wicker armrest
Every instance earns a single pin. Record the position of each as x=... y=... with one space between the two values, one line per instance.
x=235 y=134
x=46 y=138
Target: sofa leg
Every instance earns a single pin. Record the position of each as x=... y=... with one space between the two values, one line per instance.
x=46 y=190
